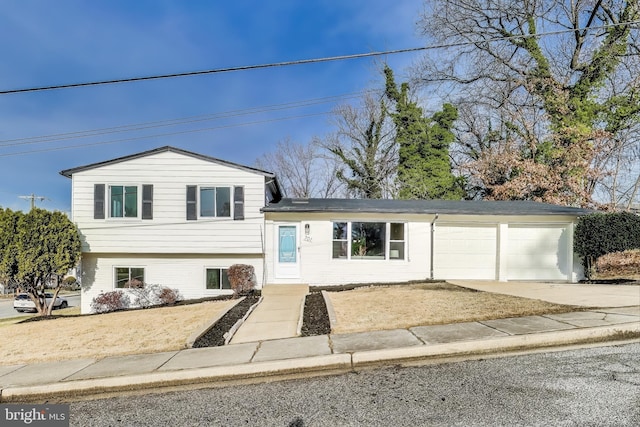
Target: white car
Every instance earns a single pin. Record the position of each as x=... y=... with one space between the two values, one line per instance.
x=22 y=302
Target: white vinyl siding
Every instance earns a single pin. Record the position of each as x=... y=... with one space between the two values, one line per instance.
x=169 y=231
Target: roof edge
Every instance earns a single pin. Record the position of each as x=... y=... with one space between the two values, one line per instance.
x=167 y=148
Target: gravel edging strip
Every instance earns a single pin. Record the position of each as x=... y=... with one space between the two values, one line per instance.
x=240 y=322
x=205 y=327
x=301 y=316
x=214 y=336
x=330 y=311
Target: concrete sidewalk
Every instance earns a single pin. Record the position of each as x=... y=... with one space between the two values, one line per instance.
x=283 y=358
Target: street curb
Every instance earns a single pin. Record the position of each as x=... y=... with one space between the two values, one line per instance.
x=319 y=365
x=71 y=389
x=494 y=345
x=206 y=326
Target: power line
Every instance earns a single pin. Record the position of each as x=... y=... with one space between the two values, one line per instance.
x=306 y=61
x=33 y=199
x=180 y=121
x=45 y=150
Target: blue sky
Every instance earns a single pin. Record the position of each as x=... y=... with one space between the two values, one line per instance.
x=64 y=41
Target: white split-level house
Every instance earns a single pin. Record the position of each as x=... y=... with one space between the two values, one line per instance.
x=180 y=219
x=168 y=217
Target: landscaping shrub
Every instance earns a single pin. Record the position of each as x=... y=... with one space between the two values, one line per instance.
x=242 y=279
x=110 y=301
x=599 y=234
x=150 y=295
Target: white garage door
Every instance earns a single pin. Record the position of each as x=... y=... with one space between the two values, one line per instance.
x=465 y=251
x=538 y=252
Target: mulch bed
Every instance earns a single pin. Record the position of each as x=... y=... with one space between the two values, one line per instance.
x=214 y=337
x=315 y=320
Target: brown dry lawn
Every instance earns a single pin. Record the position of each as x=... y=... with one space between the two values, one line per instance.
x=111 y=334
x=394 y=307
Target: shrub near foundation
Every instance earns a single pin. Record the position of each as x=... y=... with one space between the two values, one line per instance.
x=242 y=279
x=110 y=301
x=600 y=234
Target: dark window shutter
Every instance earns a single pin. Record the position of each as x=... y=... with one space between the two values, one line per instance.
x=238 y=202
x=98 y=201
x=147 y=201
x=192 y=203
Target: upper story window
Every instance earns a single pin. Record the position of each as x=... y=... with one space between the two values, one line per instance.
x=368 y=240
x=215 y=202
x=123 y=201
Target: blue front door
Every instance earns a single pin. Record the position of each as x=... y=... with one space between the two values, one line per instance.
x=288 y=260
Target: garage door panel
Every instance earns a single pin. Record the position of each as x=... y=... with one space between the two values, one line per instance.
x=465 y=251
x=538 y=252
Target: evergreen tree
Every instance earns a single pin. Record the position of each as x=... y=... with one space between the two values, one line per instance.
x=424 y=165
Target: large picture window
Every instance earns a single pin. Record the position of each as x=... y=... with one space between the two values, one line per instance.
x=217 y=279
x=129 y=277
x=123 y=201
x=368 y=240
x=215 y=202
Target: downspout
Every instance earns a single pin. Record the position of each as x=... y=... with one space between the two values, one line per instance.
x=433 y=234
x=264 y=257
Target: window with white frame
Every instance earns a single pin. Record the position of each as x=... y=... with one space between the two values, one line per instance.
x=369 y=240
x=129 y=277
x=123 y=201
x=215 y=202
x=217 y=278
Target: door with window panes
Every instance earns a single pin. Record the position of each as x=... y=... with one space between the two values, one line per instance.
x=287 y=254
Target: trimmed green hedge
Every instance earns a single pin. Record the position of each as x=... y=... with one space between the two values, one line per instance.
x=599 y=234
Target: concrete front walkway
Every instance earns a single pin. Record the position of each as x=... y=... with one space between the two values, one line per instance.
x=561 y=293
x=279 y=315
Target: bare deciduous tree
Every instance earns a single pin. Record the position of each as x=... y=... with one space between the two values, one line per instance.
x=364 y=144
x=559 y=101
x=303 y=170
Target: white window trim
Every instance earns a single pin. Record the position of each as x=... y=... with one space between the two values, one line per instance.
x=204 y=274
x=138 y=203
x=215 y=217
x=387 y=237
x=115 y=275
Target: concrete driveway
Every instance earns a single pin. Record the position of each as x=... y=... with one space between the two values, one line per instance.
x=561 y=293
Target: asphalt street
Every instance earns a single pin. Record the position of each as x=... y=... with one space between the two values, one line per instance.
x=6 y=306
x=597 y=386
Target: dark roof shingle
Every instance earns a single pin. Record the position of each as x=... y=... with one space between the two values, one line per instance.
x=459 y=207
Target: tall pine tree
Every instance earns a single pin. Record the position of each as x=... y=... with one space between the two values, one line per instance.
x=424 y=165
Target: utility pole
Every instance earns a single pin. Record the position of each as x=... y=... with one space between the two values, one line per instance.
x=33 y=199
